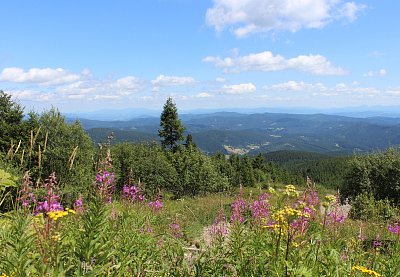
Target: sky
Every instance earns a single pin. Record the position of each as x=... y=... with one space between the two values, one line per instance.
x=206 y=54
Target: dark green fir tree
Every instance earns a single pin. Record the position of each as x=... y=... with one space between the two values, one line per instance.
x=171 y=128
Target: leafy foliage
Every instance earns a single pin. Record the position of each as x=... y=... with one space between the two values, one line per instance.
x=11 y=124
x=376 y=174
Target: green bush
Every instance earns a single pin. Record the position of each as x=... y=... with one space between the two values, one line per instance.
x=365 y=207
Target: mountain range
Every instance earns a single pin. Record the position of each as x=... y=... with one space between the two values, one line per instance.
x=240 y=133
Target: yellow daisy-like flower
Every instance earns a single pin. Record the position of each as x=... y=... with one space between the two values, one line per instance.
x=363 y=269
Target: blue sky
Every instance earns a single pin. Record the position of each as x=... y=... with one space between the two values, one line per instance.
x=91 y=55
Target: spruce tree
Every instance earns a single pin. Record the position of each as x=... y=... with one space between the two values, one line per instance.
x=171 y=128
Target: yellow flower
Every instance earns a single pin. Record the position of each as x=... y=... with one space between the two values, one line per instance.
x=290 y=190
x=330 y=198
x=54 y=215
x=363 y=269
x=56 y=237
x=271 y=190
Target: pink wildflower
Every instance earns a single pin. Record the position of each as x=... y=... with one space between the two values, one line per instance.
x=260 y=208
x=395 y=228
x=175 y=229
x=238 y=208
x=156 y=205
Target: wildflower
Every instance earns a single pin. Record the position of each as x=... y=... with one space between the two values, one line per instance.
x=285 y=219
x=290 y=191
x=132 y=193
x=395 y=229
x=271 y=190
x=156 y=205
x=175 y=229
x=330 y=198
x=149 y=230
x=363 y=269
x=260 y=208
x=237 y=208
x=55 y=215
x=56 y=236
x=27 y=197
x=220 y=226
x=105 y=180
x=78 y=205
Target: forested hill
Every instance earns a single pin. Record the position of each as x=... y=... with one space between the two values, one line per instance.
x=264 y=132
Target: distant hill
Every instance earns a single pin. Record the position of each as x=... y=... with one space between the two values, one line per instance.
x=231 y=132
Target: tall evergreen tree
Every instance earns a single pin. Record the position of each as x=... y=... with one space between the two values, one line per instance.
x=171 y=128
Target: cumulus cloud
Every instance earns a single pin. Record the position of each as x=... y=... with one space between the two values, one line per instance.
x=379 y=73
x=254 y=16
x=102 y=89
x=267 y=61
x=42 y=76
x=239 y=89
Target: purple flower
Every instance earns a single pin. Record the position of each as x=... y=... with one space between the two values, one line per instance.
x=175 y=229
x=132 y=193
x=220 y=226
x=238 y=208
x=395 y=228
x=260 y=208
x=78 y=205
x=156 y=205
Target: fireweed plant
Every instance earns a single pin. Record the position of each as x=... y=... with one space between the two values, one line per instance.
x=279 y=232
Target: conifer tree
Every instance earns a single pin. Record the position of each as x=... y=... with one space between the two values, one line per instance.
x=171 y=128
x=189 y=141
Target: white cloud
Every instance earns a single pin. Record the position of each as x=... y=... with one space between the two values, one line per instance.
x=220 y=80
x=322 y=90
x=111 y=89
x=379 y=73
x=350 y=10
x=31 y=95
x=239 y=89
x=163 y=80
x=42 y=76
x=167 y=81
x=203 y=95
x=267 y=61
x=296 y=86
x=255 y=16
